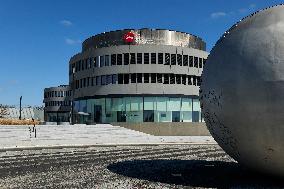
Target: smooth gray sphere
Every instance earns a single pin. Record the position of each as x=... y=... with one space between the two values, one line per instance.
x=242 y=91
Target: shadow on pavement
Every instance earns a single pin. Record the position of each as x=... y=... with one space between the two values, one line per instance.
x=196 y=173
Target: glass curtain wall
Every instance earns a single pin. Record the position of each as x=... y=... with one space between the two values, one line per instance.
x=137 y=109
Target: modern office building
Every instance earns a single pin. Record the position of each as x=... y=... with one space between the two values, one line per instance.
x=57 y=104
x=136 y=76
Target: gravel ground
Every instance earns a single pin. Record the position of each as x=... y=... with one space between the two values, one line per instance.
x=159 y=166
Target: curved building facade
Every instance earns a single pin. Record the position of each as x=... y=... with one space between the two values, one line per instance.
x=57 y=102
x=138 y=76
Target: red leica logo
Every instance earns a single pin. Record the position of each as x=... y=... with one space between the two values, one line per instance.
x=129 y=37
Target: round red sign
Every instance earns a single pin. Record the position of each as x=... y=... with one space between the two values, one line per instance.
x=129 y=37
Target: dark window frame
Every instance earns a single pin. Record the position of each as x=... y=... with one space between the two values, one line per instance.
x=173 y=59
x=146 y=75
x=126 y=58
x=146 y=58
x=153 y=58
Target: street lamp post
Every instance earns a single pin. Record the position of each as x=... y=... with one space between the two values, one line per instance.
x=20 y=108
x=73 y=91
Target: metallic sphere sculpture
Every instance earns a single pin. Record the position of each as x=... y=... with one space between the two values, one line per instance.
x=242 y=91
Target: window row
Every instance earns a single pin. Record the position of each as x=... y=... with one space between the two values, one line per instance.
x=138 y=78
x=58 y=103
x=138 y=109
x=57 y=117
x=137 y=58
x=57 y=94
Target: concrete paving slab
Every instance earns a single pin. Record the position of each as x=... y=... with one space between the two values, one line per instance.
x=80 y=135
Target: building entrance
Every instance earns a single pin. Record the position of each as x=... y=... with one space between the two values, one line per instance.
x=98 y=114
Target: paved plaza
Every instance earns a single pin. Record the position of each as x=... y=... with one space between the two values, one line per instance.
x=105 y=156
x=82 y=135
x=133 y=167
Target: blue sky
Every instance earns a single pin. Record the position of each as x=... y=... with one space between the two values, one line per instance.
x=38 y=37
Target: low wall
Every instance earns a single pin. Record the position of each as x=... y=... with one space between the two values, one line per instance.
x=168 y=129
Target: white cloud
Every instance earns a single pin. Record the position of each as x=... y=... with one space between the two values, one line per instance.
x=66 y=23
x=218 y=14
x=245 y=10
x=72 y=41
x=251 y=7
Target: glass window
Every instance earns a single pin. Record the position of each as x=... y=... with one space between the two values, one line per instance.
x=179 y=59
x=102 y=61
x=196 y=115
x=200 y=63
x=186 y=104
x=119 y=59
x=146 y=78
x=198 y=81
x=126 y=78
x=175 y=116
x=136 y=103
x=153 y=78
x=113 y=59
x=98 y=80
x=118 y=109
x=97 y=61
x=79 y=65
x=94 y=61
x=100 y=110
x=189 y=80
x=148 y=115
x=133 y=78
x=139 y=58
x=89 y=63
x=190 y=60
x=83 y=64
x=120 y=78
x=108 y=112
x=173 y=59
x=126 y=58
x=172 y=79
x=153 y=58
x=204 y=61
x=167 y=58
x=160 y=58
x=194 y=80
x=93 y=81
x=183 y=77
x=107 y=62
x=132 y=58
x=103 y=80
x=166 y=78
x=134 y=109
x=76 y=66
x=159 y=78
x=174 y=104
x=196 y=62
x=109 y=79
x=149 y=103
x=146 y=58
x=185 y=60
x=139 y=77
x=114 y=79
x=162 y=103
x=178 y=79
